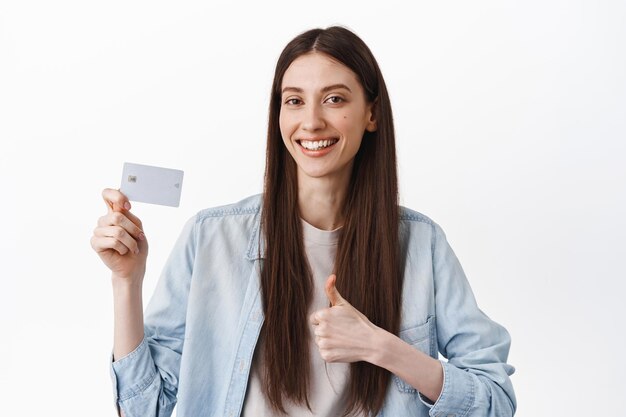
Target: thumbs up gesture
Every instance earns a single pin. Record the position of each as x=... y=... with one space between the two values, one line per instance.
x=342 y=333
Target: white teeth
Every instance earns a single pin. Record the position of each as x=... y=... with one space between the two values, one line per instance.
x=317 y=144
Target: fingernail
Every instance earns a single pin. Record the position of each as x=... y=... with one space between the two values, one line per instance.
x=142 y=236
x=137 y=251
x=127 y=205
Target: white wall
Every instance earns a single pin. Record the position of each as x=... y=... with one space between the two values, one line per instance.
x=511 y=135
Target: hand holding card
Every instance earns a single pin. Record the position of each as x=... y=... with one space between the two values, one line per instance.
x=153 y=185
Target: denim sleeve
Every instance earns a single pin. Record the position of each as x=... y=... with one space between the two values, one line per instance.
x=145 y=381
x=476 y=375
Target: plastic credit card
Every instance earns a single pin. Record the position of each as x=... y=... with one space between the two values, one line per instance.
x=151 y=184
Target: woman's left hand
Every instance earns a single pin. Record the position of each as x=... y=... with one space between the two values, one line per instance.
x=342 y=333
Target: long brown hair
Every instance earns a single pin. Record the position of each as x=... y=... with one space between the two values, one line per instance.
x=367 y=260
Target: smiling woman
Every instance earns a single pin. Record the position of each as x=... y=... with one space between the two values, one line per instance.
x=321 y=296
x=324 y=114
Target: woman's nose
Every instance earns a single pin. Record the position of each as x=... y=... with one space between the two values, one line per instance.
x=313 y=119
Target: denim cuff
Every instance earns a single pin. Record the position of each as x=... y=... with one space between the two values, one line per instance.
x=133 y=373
x=457 y=394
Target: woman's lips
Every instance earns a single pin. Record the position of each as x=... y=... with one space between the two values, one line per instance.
x=318 y=147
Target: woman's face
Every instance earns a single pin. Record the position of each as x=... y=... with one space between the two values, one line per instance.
x=323 y=116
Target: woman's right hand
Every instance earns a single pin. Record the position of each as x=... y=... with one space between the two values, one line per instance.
x=119 y=239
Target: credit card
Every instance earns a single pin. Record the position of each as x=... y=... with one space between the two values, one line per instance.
x=153 y=185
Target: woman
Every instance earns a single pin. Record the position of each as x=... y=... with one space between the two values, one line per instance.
x=322 y=296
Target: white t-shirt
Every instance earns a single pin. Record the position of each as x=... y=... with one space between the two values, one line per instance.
x=327 y=394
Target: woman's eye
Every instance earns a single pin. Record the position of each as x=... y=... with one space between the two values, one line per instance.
x=293 y=101
x=335 y=99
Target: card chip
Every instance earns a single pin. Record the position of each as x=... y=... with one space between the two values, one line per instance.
x=132 y=178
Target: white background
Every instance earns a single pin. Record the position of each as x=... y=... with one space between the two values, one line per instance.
x=511 y=127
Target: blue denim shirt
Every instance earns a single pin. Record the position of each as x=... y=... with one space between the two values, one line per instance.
x=203 y=321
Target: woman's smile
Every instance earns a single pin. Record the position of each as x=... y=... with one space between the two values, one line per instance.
x=317 y=147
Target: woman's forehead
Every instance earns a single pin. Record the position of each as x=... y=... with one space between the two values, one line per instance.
x=314 y=71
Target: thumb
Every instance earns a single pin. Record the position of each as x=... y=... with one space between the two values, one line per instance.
x=331 y=291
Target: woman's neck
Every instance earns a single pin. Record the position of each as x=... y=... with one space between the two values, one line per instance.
x=321 y=201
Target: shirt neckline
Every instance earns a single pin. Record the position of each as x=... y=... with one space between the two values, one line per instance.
x=318 y=236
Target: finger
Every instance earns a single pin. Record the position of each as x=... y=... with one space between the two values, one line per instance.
x=123 y=220
x=316 y=317
x=134 y=219
x=101 y=244
x=331 y=292
x=318 y=332
x=115 y=200
x=120 y=234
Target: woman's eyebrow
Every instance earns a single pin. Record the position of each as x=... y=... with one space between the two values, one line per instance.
x=335 y=87
x=323 y=90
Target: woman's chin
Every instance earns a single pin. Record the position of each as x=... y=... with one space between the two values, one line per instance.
x=325 y=173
